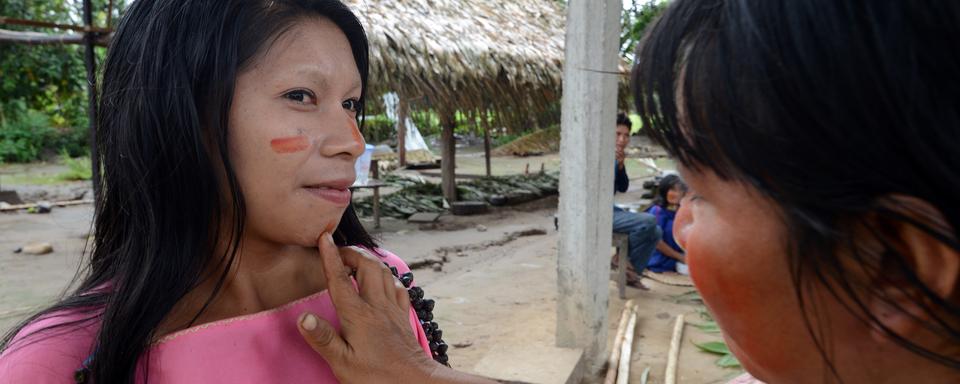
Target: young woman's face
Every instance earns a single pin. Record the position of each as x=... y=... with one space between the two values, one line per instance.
x=675 y=194
x=293 y=134
x=736 y=247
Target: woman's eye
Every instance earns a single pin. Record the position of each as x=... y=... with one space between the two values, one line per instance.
x=352 y=105
x=300 y=96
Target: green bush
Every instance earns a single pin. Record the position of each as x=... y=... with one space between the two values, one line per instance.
x=505 y=139
x=378 y=128
x=24 y=137
x=77 y=168
x=27 y=134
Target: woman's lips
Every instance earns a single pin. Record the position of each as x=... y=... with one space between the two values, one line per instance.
x=337 y=196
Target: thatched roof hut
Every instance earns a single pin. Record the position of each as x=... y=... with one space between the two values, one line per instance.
x=471 y=55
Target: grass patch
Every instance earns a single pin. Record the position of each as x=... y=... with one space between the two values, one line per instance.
x=30 y=179
x=77 y=168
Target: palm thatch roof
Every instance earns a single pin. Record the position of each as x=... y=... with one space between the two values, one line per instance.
x=470 y=55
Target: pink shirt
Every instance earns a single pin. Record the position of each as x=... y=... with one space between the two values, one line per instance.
x=264 y=347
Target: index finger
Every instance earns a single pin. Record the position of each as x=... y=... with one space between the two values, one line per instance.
x=342 y=292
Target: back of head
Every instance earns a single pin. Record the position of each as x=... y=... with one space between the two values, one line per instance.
x=839 y=111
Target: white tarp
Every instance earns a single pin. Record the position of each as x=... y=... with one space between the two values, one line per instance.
x=414 y=140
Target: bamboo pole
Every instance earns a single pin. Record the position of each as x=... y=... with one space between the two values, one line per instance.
x=623 y=372
x=670 y=376
x=613 y=360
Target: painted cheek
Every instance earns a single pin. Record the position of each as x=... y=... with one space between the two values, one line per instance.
x=356 y=133
x=733 y=301
x=290 y=144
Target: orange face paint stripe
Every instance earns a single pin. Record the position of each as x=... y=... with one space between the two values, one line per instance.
x=356 y=132
x=290 y=144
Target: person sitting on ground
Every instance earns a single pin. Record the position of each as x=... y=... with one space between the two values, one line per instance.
x=641 y=228
x=667 y=254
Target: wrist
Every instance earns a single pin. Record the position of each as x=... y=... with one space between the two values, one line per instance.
x=424 y=370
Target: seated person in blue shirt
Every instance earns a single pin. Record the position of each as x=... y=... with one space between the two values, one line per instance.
x=667 y=253
x=641 y=228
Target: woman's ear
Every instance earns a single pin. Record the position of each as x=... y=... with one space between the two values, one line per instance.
x=899 y=305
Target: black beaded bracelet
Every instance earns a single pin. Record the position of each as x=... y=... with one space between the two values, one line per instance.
x=424 y=309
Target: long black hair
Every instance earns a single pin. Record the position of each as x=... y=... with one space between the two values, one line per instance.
x=168 y=83
x=836 y=110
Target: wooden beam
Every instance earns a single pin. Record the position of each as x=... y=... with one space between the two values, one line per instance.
x=448 y=156
x=45 y=24
x=38 y=38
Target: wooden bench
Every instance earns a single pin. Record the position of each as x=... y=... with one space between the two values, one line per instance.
x=622 y=242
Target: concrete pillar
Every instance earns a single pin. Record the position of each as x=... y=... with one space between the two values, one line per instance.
x=586 y=175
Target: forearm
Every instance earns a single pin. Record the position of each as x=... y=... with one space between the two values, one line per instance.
x=439 y=374
x=668 y=251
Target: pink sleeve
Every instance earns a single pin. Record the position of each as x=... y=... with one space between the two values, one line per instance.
x=395 y=261
x=744 y=379
x=47 y=356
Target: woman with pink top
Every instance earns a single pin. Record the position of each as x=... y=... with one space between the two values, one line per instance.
x=228 y=132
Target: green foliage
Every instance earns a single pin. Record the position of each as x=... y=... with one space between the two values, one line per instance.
x=378 y=128
x=634 y=21
x=427 y=122
x=717 y=347
x=708 y=327
x=727 y=359
x=43 y=91
x=505 y=139
x=78 y=168
x=23 y=138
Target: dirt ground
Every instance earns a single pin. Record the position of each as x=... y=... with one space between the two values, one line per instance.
x=494 y=288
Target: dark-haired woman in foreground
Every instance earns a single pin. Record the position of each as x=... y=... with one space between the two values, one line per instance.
x=228 y=134
x=832 y=129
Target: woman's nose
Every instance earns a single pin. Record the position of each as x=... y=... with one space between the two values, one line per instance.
x=344 y=139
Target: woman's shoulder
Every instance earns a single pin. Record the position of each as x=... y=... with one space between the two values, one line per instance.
x=393 y=260
x=49 y=349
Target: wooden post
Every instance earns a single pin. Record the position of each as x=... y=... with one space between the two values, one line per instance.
x=486 y=146
x=448 y=155
x=402 y=106
x=589 y=102
x=375 y=175
x=89 y=61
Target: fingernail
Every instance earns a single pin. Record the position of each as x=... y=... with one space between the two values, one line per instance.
x=309 y=322
x=329 y=237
